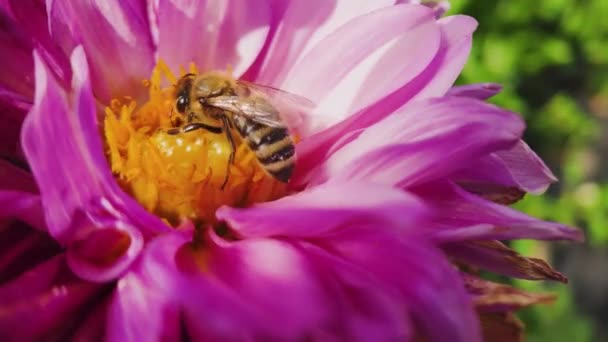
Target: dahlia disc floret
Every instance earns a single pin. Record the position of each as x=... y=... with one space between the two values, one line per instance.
x=116 y=228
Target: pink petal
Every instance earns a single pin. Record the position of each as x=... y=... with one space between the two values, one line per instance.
x=439 y=7
x=517 y=167
x=16 y=74
x=102 y=249
x=9 y=135
x=85 y=107
x=115 y=31
x=62 y=147
x=93 y=326
x=462 y=216
x=22 y=248
x=155 y=300
x=417 y=144
x=321 y=210
x=15 y=178
x=365 y=308
x=52 y=143
x=318 y=72
x=144 y=305
x=42 y=302
x=457 y=35
x=23 y=206
x=480 y=91
x=297 y=27
x=13 y=107
x=138 y=313
x=274 y=279
x=406 y=58
x=31 y=18
x=432 y=291
x=214 y=34
x=435 y=80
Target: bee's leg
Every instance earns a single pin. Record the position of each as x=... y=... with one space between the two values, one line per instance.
x=227 y=130
x=194 y=126
x=226 y=126
x=197 y=125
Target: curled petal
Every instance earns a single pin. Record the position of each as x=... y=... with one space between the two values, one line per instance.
x=144 y=307
x=418 y=144
x=115 y=31
x=326 y=208
x=102 y=251
x=496 y=257
x=480 y=91
x=462 y=216
x=518 y=167
x=214 y=34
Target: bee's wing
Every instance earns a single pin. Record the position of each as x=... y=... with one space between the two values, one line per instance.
x=293 y=109
x=255 y=108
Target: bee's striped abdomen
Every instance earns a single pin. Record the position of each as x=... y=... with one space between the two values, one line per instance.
x=273 y=147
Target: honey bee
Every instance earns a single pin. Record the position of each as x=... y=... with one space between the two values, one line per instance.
x=262 y=116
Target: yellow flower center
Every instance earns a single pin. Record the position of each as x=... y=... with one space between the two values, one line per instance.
x=179 y=176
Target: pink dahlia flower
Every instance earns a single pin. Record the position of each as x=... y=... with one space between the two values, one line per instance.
x=114 y=230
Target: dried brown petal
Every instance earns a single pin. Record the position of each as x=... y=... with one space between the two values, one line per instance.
x=501 y=327
x=495 y=256
x=495 y=193
x=495 y=297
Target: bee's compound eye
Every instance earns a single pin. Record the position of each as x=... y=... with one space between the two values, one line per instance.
x=181 y=103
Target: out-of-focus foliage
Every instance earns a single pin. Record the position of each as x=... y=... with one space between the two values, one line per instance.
x=551 y=56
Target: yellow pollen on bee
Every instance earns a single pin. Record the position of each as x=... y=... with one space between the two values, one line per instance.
x=179 y=176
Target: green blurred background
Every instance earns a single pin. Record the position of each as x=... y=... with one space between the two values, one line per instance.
x=551 y=56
